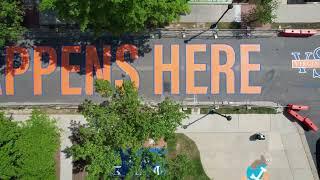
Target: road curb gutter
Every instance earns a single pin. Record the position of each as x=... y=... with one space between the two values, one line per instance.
x=195 y=107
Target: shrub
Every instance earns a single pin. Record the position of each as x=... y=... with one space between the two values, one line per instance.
x=28 y=148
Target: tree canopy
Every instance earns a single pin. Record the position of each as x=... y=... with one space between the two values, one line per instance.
x=263 y=12
x=121 y=123
x=11 y=17
x=9 y=152
x=117 y=16
x=27 y=149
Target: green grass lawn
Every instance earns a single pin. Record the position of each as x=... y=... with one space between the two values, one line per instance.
x=235 y=110
x=181 y=144
x=296 y=25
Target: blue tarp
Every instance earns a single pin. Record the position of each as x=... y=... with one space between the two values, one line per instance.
x=123 y=169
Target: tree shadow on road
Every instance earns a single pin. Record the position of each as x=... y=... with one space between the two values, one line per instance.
x=126 y=48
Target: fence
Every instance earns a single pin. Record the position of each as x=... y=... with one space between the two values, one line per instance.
x=157 y=34
x=210 y=1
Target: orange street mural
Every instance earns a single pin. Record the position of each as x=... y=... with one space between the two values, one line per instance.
x=100 y=67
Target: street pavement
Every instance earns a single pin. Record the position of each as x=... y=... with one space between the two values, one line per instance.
x=226 y=147
x=280 y=83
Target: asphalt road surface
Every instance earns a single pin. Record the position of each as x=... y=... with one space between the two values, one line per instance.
x=279 y=82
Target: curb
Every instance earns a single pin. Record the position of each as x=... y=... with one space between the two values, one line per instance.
x=306 y=148
x=162 y=33
x=223 y=33
x=183 y=103
x=193 y=107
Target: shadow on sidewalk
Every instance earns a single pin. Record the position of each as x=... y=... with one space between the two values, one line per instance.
x=292 y=119
x=318 y=156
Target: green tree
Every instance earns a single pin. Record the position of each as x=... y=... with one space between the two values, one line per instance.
x=180 y=167
x=121 y=122
x=11 y=17
x=117 y=16
x=263 y=13
x=38 y=145
x=27 y=149
x=9 y=152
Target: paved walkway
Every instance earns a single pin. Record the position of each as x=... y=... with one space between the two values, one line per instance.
x=225 y=148
x=286 y=13
x=211 y=13
x=302 y=13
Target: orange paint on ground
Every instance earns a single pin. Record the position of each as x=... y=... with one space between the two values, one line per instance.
x=93 y=63
x=305 y=64
x=103 y=70
x=11 y=71
x=246 y=67
x=191 y=68
x=217 y=68
x=159 y=68
x=126 y=67
x=38 y=71
x=67 y=68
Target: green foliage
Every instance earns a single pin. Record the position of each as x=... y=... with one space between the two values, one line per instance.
x=117 y=16
x=121 y=122
x=38 y=145
x=240 y=110
x=185 y=158
x=11 y=17
x=9 y=152
x=27 y=149
x=180 y=167
x=263 y=12
x=144 y=155
x=229 y=25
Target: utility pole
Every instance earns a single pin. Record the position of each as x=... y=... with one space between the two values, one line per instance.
x=213 y=26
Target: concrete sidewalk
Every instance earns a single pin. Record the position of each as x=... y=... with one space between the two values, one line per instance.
x=286 y=13
x=225 y=146
x=211 y=13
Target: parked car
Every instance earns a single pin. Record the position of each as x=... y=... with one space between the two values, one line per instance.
x=259 y=136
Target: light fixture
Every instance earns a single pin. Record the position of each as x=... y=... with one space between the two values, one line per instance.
x=183 y=35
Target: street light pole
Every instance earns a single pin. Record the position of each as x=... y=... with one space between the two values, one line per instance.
x=212 y=111
x=229 y=118
x=230 y=6
x=213 y=26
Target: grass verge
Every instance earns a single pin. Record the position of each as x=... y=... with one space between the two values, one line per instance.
x=181 y=144
x=296 y=25
x=229 y=25
x=240 y=110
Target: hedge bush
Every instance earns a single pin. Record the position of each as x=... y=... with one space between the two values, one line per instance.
x=28 y=148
